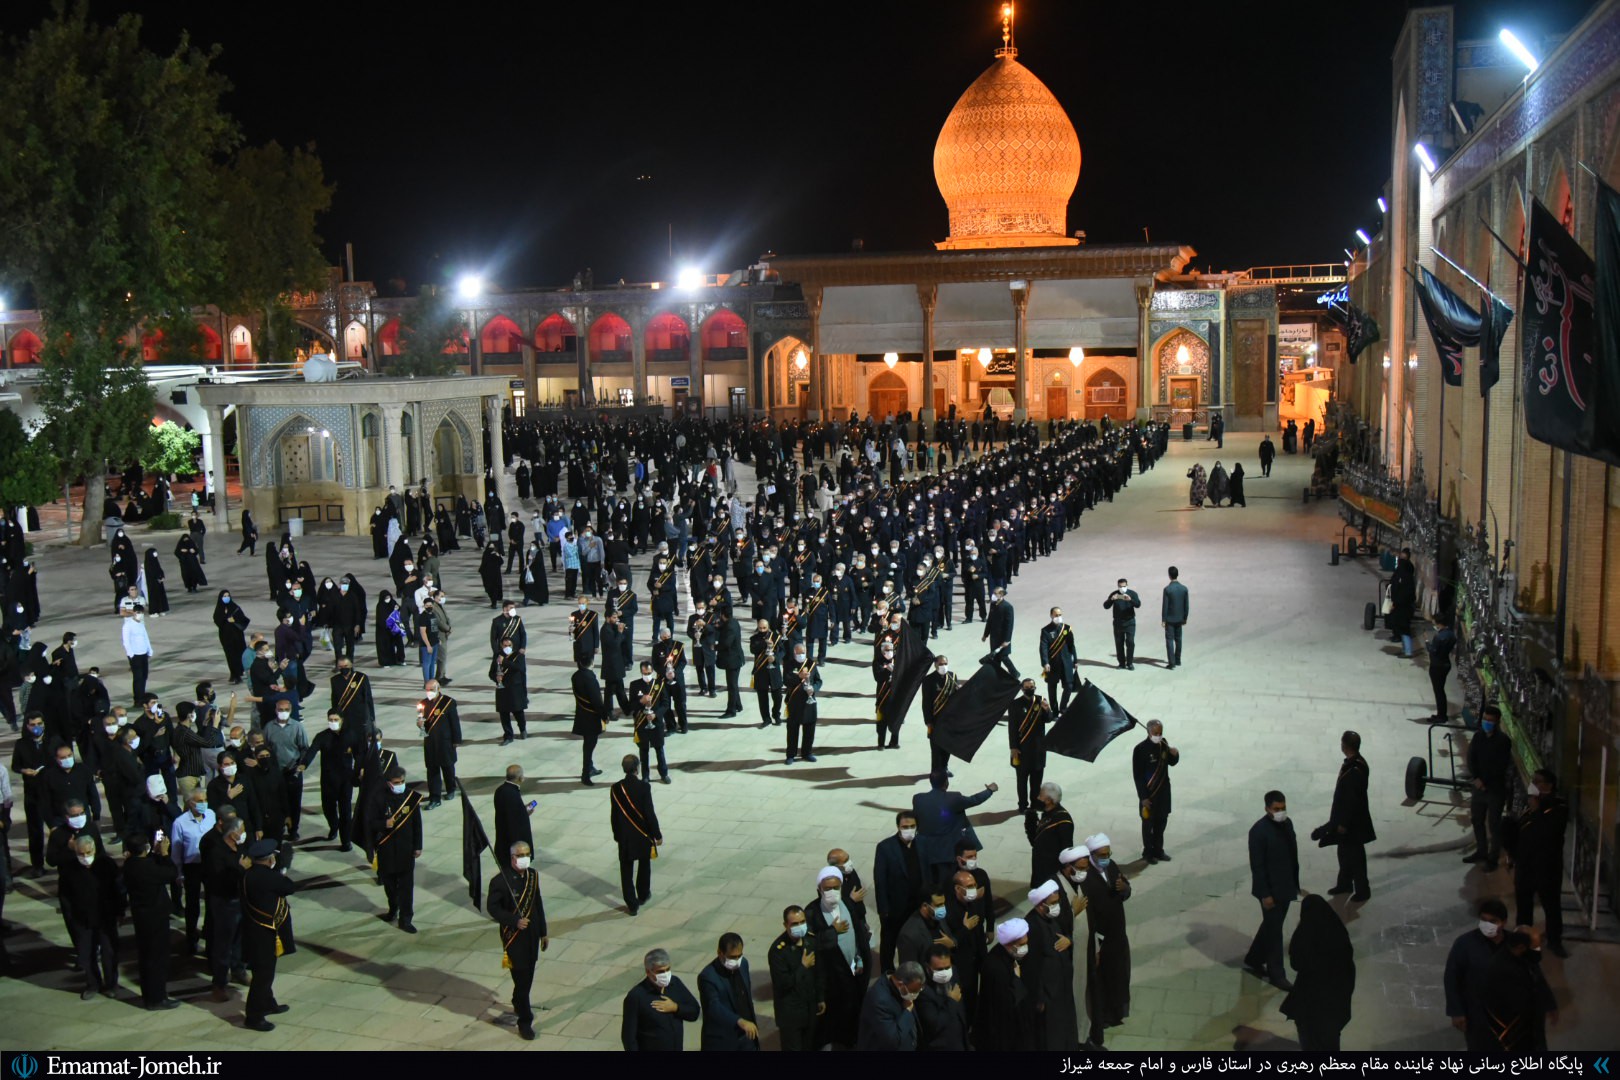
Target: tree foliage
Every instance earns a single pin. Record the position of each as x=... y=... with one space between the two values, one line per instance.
x=109 y=190
x=270 y=199
x=171 y=448
x=429 y=326
x=28 y=469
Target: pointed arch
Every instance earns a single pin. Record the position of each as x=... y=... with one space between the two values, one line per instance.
x=555 y=334
x=501 y=336
x=23 y=348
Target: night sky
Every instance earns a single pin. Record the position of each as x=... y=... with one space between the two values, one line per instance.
x=511 y=140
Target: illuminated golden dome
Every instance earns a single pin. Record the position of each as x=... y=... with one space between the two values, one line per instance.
x=1007 y=160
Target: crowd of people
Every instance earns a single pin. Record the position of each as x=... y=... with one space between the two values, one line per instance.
x=860 y=534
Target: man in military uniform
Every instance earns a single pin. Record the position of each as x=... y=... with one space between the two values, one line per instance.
x=436 y=718
x=398 y=846
x=795 y=983
x=1150 y=765
x=515 y=904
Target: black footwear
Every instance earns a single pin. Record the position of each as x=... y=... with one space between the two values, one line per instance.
x=433 y=805
x=1150 y=859
x=239 y=976
x=260 y=1024
x=506 y=741
x=87 y=995
x=1360 y=897
x=346 y=847
x=1282 y=984
x=1477 y=856
x=277 y=1009
x=788 y=761
x=525 y=1032
x=809 y=757
x=586 y=780
x=663 y=779
x=1163 y=857
x=408 y=928
x=165 y=1004
x=389 y=916
x=1338 y=890
x=331 y=836
x=633 y=911
x=764 y=723
x=595 y=771
x=1254 y=969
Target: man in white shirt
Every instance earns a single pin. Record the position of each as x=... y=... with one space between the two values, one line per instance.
x=185 y=848
x=138 y=647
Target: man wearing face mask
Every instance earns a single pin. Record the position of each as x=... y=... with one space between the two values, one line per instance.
x=1274 y=873
x=1490 y=763
x=351 y=698
x=398 y=846
x=938 y=687
x=1006 y=1017
x=842 y=942
x=188 y=831
x=269 y=787
x=138 y=647
x=636 y=832
x=1467 y=966
x=727 y=993
x=289 y=742
x=70 y=781
x=338 y=767
x=1027 y=718
x=1535 y=844
x=888 y=1014
x=925 y=926
x=516 y=906
x=224 y=858
x=584 y=633
x=60 y=851
x=509 y=671
x=899 y=874
x=437 y=718
x=1350 y=822
x=92 y=902
x=1151 y=762
x=33 y=761
x=1123 y=602
x=998 y=626
x=802 y=682
x=944 y=1007
x=1108 y=944
x=1049 y=829
x=661 y=587
x=1058 y=659
x=1051 y=969
x=264 y=924
x=656 y=1007
x=795 y=982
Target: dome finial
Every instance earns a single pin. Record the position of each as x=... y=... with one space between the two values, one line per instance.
x=1008 y=49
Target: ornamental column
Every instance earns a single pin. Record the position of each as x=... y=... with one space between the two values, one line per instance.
x=214 y=464
x=928 y=297
x=694 y=356
x=1020 y=298
x=812 y=299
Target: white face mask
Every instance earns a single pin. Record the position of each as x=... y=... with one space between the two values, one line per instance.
x=522 y=862
x=229 y=771
x=943 y=669
x=942 y=976
x=111 y=729
x=1057 y=620
x=1021 y=951
x=908 y=835
x=662 y=978
x=969 y=895
x=1280 y=816
x=283 y=717
x=1156 y=739
x=829 y=898
x=731 y=963
x=77 y=821
x=1489 y=929
x=1053 y=910
x=397 y=789
x=86 y=860
x=431 y=694
x=333 y=725
x=134 y=744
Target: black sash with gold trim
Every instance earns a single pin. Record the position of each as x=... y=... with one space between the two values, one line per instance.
x=523 y=906
x=397 y=820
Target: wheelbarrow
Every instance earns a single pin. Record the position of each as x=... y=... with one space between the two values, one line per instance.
x=1372 y=612
x=1421 y=773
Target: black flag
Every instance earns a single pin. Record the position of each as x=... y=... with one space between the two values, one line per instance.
x=1603 y=420
x=975 y=709
x=1091 y=722
x=912 y=659
x=1453 y=324
x=1495 y=317
x=1562 y=377
x=1360 y=330
x=474 y=841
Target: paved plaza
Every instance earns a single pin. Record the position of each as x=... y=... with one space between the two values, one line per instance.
x=1276 y=666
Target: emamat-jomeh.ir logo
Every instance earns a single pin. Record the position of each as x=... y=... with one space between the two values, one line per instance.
x=22 y=1066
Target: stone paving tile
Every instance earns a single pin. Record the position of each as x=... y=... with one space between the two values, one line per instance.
x=1276 y=666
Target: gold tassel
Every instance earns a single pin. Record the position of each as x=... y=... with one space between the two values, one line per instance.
x=506 y=961
x=374 y=862
x=655 y=851
x=279 y=949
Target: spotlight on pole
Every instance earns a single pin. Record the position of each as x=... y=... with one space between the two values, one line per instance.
x=1383 y=207
x=1425 y=157
x=690 y=277
x=1361 y=234
x=470 y=286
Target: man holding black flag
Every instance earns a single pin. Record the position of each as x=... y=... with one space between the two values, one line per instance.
x=515 y=904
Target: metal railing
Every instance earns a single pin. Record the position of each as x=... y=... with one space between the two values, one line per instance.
x=1308 y=274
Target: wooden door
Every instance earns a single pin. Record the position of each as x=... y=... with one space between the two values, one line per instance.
x=1183 y=397
x=1057 y=402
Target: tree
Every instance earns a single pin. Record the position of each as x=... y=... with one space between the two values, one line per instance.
x=28 y=469
x=270 y=199
x=429 y=327
x=108 y=198
x=171 y=448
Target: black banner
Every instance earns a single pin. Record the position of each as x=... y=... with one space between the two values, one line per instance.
x=912 y=659
x=1453 y=324
x=1360 y=330
x=1493 y=326
x=1091 y=722
x=975 y=709
x=1602 y=431
x=474 y=841
x=1557 y=339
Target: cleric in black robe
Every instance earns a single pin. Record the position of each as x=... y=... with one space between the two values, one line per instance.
x=1050 y=965
x=191 y=571
x=1006 y=1017
x=1108 y=948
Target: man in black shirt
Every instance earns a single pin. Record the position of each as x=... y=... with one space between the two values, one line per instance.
x=1490 y=763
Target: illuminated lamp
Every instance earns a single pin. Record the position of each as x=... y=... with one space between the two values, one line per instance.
x=1077 y=356
x=891 y=359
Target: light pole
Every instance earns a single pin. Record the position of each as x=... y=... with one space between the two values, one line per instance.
x=470 y=289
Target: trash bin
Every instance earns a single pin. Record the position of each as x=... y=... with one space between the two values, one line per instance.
x=295 y=526
x=109 y=526
x=1387 y=561
x=1186 y=431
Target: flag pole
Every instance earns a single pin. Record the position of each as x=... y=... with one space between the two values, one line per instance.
x=1440 y=456
x=1512 y=253
x=1561 y=615
x=1485 y=288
